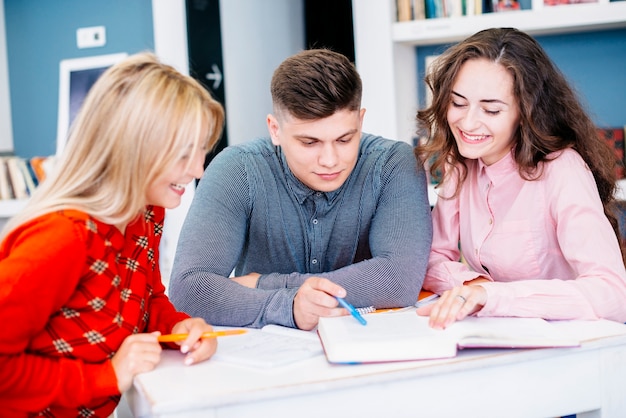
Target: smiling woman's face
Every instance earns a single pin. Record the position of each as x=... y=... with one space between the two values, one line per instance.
x=483 y=113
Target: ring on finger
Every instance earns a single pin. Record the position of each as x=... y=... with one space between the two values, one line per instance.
x=462 y=298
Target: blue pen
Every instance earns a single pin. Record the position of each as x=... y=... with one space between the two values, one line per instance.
x=352 y=311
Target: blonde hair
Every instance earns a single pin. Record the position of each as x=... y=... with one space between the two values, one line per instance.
x=138 y=120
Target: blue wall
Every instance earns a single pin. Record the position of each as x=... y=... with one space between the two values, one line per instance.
x=39 y=34
x=594 y=63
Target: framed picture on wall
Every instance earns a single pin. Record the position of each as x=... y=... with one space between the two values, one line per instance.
x=76 y=76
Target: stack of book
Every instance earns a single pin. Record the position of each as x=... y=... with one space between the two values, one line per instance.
x=408 y=10
x=431 y=9
x=19 y=176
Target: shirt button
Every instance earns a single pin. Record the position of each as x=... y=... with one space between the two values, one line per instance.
x=318 y=194
x=314 y=221
x=490 y=221
x=314 y=261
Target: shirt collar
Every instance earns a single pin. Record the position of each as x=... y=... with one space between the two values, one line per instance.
x=499 y=170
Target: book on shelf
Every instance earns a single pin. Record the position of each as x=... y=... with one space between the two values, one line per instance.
x=16 y=178
x=410 y=10
x=19 y=177
x=405 y=12
x=406 y=336
x=498 y=6
x=41 y=166
x=419 y=9
x=31 y=172
x=614 y=137
x=433 y=9
x=562 y=2
x=27 y=175
x=506 y=5
x=6 y=192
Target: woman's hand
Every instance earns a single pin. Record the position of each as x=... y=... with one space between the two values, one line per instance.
x=138 y=353
x=454 y=305
x=197 y=349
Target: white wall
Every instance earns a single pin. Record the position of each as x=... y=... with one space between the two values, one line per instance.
x=170 y=45
x=6 y=127
x=387 y=69
x=256 y=37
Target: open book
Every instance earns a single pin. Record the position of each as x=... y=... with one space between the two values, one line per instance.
x=399 y=336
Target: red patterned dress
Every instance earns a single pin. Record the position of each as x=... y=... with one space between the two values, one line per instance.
x=71 y=290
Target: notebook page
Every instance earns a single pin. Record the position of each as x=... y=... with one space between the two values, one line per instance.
x=273 y=346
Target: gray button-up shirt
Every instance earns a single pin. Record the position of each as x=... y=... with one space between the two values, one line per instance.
x=251 y=214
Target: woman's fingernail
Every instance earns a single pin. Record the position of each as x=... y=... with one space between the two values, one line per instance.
x=188 y=360
x=184 y=349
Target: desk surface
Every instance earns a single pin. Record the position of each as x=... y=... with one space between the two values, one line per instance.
x=481 y=383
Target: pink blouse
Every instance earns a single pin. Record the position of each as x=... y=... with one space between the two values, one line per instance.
x=546 y=244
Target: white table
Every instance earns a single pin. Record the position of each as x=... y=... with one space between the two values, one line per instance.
x=588 y=380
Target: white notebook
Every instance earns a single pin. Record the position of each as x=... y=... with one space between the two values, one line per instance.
x=271 y=346
x=404 y=336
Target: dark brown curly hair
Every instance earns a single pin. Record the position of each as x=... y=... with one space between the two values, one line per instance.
x=552 y=117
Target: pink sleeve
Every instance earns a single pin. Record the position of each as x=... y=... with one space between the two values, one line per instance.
x=445 y=271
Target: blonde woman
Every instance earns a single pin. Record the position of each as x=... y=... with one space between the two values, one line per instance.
x=81 y=298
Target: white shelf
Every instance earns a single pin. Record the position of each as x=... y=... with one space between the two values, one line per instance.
x=547 y=20
x=8 y=208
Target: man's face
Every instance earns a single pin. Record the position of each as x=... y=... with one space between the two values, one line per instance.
x=321 y=153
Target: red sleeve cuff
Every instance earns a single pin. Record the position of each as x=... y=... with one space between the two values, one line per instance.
x=102 y=379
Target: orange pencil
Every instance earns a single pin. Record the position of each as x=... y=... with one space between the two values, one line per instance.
x=168 y=338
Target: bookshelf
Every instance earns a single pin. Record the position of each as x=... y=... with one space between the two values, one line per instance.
x=20 y=178
x=541 y=20
x=386 y=53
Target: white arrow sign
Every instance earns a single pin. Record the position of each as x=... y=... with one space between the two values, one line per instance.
x=216 y=76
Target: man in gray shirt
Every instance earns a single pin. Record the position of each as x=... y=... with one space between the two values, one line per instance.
x=281 y=226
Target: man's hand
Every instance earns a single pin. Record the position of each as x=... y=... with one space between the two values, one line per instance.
x=316 y=298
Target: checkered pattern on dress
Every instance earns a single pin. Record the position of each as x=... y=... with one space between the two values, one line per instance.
x=110 y=301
